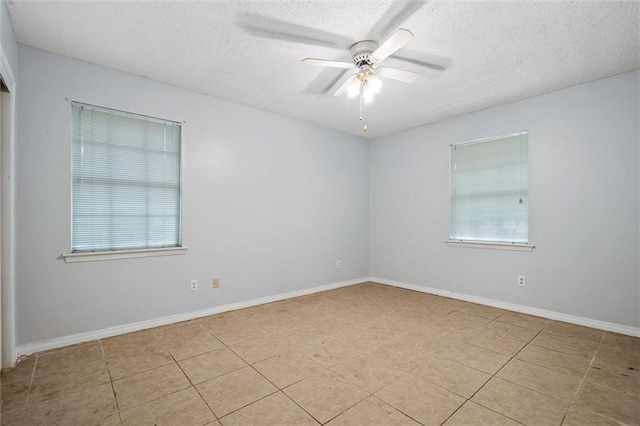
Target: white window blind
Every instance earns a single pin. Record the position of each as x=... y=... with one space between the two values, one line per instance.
x=126 y=180
x=490 y=190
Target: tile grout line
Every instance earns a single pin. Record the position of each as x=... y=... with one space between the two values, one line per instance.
x=297 y=381
x=185 y=375
x=113 y=389
x=31 y=380
x=492 y=376
x=278 y=389
x=584 y=378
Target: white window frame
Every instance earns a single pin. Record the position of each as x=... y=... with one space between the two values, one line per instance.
x=89 y=256
x=495 y=245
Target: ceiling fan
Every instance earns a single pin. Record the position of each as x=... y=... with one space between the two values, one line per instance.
x=366 y=57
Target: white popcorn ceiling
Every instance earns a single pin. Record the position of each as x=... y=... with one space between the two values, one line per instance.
x=250 y=52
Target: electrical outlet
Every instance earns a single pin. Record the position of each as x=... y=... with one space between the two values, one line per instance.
x=521 y=280
x=194 y=285
x=215 y=282
x=338 y=264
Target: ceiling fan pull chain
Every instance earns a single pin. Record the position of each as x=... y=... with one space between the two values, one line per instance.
x=362 y=110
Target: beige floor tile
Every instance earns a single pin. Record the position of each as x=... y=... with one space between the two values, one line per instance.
x=361 y=339
x=487 y=312
x=84 y=407
x=372 y=411
x=129 y=343
x=239 y=334
x=260 y=348
x=586 y=418
x=453 y=376
x=323 y=327
x=568 y=345
x=464 y=320
x=328 y=354
x=623 y=380
x=574 y=331
x=210 y=365
x=617 y=358
x=554 y=360
x=192 y=344
x=178 y=330
x=325 y=395
x=317 y=299
x=423 y=312
x=404 y=354
x=409 y=394
x=501 y=345
x=472 y=414
x=609 y=403
x=360 y=315
x=275 y=409
x=446 y=301
x=509 y=331
x=233 y=323
x=621 y=342
x=113 y=420
x=85 y=375
x=286 y=369
x=128 y=364
x=367 y=373
x=143 y=387
x=523 y=320
x=475 y=357
x=11 y=418
x=14 y=395
x=184 y=408
x=541 y=379
x=69 y=357
x=234 y=390
x=521 y=404
x=21 y=372
x=433 y=331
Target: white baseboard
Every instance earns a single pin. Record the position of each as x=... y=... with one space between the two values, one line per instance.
x=558 y=316
x=73 y=339
x=45 y=345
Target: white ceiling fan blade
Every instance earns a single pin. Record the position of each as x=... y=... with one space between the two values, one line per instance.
x=396 y=74
x=392 y=44
x=326 y=63
x=342 y=89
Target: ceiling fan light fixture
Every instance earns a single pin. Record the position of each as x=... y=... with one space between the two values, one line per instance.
x=354 y=89
x=374 y=84
x=366 y=56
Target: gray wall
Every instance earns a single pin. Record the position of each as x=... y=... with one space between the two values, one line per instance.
x=270 y=204
x=8 y=40
x=584 y=204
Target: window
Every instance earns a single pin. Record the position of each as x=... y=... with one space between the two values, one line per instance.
x=490 y=190
x=126 y=181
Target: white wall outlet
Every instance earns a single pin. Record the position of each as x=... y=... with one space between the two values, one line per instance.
x=521 y=280
x=338 y=264
x=194 y=285
x=215 y=282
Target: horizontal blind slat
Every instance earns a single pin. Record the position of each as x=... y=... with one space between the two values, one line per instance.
x=489 y=190
x=126 y=181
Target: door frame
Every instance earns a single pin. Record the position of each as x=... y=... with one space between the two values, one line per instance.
x=7 y=215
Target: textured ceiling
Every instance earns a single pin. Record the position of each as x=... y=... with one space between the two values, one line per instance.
x=250 y=52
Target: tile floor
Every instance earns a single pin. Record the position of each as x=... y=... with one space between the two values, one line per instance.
x=362 y=355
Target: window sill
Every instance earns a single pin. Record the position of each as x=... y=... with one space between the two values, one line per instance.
x=122 y=254
x=490 y=245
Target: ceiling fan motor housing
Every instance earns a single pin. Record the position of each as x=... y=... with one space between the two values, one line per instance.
x=360 y=52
